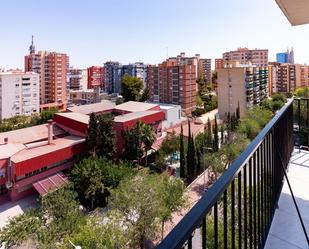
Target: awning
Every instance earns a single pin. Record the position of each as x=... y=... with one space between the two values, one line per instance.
x=296 y=11
x=50 y=183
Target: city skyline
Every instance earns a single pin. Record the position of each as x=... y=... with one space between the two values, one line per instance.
x=99 y=31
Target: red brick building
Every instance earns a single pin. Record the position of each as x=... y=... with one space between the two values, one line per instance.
x=96 y=77
x=32 y=159
x=52 y=68
x=172 y=83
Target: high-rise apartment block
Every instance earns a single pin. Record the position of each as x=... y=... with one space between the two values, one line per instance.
x=219 y=63
x=96 y=77
x=257 y=57
x=112 y=76
x=19 y=94
x=84 y=79
x=52 y=68
x=204 y=69
x=138 y=69
x=74 y=79
x=203 y=66
x=243 y=85
x=286 y=80
x=286 y=57
x=173 y=83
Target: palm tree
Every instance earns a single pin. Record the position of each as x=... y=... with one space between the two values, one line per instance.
x=147 y=138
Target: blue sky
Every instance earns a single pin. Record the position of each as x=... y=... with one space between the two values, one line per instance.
x=94 y=31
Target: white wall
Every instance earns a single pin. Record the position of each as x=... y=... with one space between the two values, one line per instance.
x=19 y=96
x=172 y=116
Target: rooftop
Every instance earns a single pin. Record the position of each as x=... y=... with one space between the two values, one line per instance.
x=28 y=135
x=134 y=106
x=57 y=144
x=50 y=184
x=83 y=118
x=195 y=129
x=105 y=105
x=134 y=115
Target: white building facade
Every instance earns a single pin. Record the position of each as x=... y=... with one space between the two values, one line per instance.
x=19 y=94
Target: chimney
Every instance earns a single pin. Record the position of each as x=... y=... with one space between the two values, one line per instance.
x=50 y=131
x=6 y=140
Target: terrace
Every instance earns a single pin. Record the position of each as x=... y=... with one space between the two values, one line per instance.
x=261 y=200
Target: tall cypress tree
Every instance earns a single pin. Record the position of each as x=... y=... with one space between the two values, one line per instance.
x=208 y=126
x=106 y=137
x=190 y=156
x=216 y=137
x=194 y=159
x=237 y=113
x=91 y=138
x=183 y=169
x=222 y=134
x=229 y=127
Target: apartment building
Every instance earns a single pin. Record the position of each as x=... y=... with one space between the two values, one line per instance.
x=204 y=69
x=74 y=78
x=257 y=57
x=137 y=69
x=112 y=77
x=203 y=66
x=19 y=94
x=286 y=78
x=243 y=85
x=173 y=83
x=301 y=75
x=96 y=77
x=219 y=63
x=272 y=77
x=52 y=68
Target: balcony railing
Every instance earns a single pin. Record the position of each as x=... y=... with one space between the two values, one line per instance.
x=237 y=211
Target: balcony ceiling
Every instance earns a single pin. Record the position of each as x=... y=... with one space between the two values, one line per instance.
x=296 y=11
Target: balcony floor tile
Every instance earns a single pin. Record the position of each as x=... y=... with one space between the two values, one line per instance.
x=286 y=230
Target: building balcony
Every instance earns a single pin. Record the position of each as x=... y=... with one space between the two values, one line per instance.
x=257 y=202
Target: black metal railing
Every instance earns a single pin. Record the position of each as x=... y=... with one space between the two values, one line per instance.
x=301 y=122
x=237 y=211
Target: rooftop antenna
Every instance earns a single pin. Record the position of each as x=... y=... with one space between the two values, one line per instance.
x=32 y=48
x=166 y=52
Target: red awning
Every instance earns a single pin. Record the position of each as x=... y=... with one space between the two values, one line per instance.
x=50 y=183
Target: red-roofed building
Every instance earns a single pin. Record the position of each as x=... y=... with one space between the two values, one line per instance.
x=32 y=154
x=32 y=157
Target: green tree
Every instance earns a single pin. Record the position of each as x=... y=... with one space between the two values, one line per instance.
x=138 y=140
x=237 y=113
x=191 y=156
x=145 y=95
x=20 y=228
x=46 y=115
x=106 y=137
x=94 y=177
x=131 y=88
x=170 y=194
x=95 y=235
x=170 y=144
x=183 y=168
x=222 y=134
x=144 y=201
x=216 y=137
x=249 y=127
x=199 y=101
x=148 y=137
x=135 y=199
x=91 y=138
